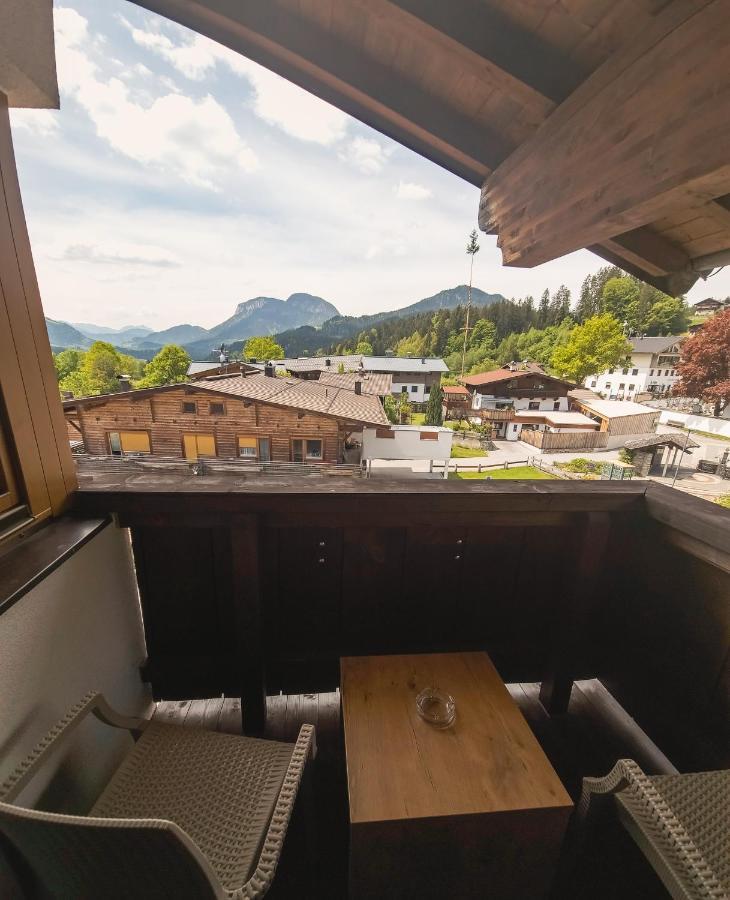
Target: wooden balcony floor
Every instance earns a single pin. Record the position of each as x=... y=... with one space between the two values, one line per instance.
x=595 y=732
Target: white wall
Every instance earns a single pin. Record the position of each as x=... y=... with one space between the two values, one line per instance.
x=699 y=423
x=490 y=401
x=406 y=444
x=79 y=629
x=417 y=396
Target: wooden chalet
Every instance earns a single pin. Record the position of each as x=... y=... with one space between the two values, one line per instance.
x=575 y=623
x=253 y=417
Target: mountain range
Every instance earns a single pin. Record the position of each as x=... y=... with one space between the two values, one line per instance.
x=297 y=322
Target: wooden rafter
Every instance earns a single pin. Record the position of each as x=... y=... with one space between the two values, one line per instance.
x=520 y=61
x=649 y=128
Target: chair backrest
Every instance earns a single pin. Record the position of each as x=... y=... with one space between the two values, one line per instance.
x=86 y=858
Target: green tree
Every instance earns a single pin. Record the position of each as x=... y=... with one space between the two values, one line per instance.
x=169 y=366
x=543 y=310
x=97 y=373
x=618 y=295
x=365 y=348
x=391 y=409
x=668 y=316
x=131 y=366
x=483 y=335
x=67 y=361
x=404 y=408
x=596 y=345
x=263 y=348
x=415 y=345
x=434 y=407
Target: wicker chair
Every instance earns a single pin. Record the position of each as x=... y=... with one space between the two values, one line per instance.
x=189 y=813
x=680 y=822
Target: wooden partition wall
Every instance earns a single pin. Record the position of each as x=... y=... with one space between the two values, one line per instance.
x=263 y=588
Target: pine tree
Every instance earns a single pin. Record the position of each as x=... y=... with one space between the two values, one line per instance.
x=434 y=407
x=543 y=310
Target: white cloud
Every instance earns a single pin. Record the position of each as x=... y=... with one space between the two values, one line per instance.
x=409 y=190
x=276 y=100
x=195 y=139
x=121 y=254
x=42 y=122
x=366 y=155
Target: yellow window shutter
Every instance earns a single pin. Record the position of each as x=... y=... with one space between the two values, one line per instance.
x=191 y=446
x=206 y=445
x=246 y=441
x=135 y=441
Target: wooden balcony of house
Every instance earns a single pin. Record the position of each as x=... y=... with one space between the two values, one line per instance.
x=232 y=603
x=493 y=415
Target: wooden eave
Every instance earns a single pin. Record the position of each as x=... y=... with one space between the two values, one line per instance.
x=506 y=95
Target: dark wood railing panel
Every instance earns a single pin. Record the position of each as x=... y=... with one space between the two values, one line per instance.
x=664 y=638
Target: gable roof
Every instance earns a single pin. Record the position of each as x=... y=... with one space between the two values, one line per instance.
x=376 y=383
x=455 y=389
x=654 y=344
x=308 y=396
x=499 y=375
x=351 y=363
x=404 y=364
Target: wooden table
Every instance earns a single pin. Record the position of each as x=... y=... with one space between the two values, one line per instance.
x=475 y=810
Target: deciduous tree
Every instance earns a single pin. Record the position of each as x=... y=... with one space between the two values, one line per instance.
x=596 y=345
x=97 y=373
x=704 y=364
x=169 y=366
x=262 y=348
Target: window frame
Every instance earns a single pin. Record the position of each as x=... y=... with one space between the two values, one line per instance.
x=212 y=403
x=187 y=412
x=132 y=454
x=305 y=457
x=9 y=491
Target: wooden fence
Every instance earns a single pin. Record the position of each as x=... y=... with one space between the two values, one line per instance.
x=555 y=441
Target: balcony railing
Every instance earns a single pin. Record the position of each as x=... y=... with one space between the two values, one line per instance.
x=493 y=415
x=258 y=586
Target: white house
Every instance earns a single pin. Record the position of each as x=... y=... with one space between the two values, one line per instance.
x=653 y=369
x=412 y=376
x=427 y=442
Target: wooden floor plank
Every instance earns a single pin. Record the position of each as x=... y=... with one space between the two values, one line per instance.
x=230 y=717
x=594 y=732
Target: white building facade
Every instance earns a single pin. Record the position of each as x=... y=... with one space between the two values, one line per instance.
x=653 y=369
x=407 y=442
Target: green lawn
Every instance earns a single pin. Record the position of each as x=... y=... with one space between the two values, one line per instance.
x=723 y=501
x=709 y=434
x=467 y=452
x=418 y=418
x=514 y=472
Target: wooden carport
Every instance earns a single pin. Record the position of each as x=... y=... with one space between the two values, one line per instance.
x=587 y=123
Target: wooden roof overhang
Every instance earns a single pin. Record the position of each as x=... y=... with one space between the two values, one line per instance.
x=587 y=123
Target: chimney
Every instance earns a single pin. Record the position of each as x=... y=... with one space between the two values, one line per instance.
x=125 y=382
x=328 y=362
x=269 y=370
x=358 y=387
x=423 y=360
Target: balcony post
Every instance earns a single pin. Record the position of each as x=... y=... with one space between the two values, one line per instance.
x=570 y=624
x=246 y=561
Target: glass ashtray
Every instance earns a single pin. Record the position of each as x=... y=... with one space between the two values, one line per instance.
x=436 y=707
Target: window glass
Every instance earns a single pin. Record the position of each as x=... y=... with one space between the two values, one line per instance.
x=264 y=449
x=314 y=449
x=115 y=444
x=634 y=371
x=189 y=406
x=414 y=388
x=216 y=409
x=247 y=447
x=9 y=496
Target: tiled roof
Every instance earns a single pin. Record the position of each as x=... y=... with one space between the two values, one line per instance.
x=455 y=389
x=305 y=395
x=351 y=363
x=655 y=344
x=376 y=383
x=505 y=375
x=403 y=364
x=668 y=439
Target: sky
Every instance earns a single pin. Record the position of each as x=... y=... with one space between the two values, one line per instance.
x=179 y=179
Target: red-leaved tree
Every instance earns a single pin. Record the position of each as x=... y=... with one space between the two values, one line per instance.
x=704 y=364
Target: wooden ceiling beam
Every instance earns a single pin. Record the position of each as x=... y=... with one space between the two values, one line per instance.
x=650 y=127
x=645 y=248
x=522 y=63
x=307 y=54
x=675 y=284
